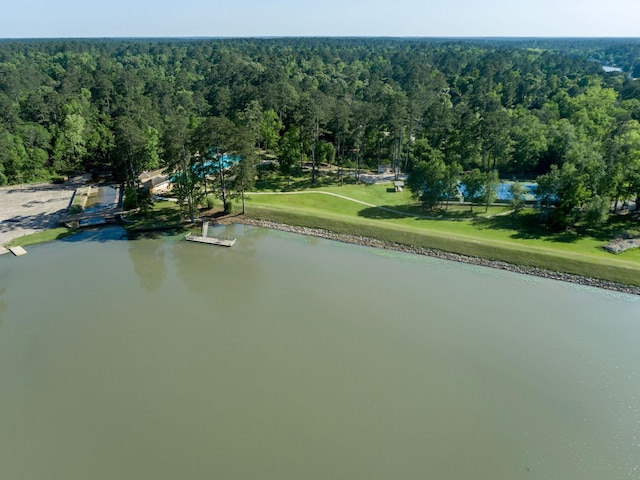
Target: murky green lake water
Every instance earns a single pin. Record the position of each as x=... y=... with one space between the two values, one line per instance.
x=287 y=357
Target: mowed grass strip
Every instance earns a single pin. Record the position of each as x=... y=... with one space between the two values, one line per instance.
x=41 y=237
x=491 y=238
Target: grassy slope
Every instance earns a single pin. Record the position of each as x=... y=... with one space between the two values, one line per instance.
x=516 y=240
x=41 y=237
x=163 y=214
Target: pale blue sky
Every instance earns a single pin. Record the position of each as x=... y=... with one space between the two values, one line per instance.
x=242 y=18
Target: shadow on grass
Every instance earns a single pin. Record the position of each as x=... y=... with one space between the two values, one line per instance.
x=527 y=226
x=272 y=181
x=617 y=225
x=169 y=213
x=381 y=213
x=386 y=212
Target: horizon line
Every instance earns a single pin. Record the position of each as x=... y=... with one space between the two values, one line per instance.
x=271 y=37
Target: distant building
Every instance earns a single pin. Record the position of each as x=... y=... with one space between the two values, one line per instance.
x=155 y=182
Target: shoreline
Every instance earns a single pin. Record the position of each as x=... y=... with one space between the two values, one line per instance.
x=372 y=242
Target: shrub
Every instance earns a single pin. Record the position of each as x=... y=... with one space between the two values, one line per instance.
x=130 y=198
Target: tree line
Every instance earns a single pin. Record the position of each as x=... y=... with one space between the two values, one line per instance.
x=526 y=108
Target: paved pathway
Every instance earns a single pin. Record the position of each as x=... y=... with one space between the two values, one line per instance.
x=31 y=208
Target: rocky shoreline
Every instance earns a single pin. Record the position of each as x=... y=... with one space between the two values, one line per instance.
x=372 y=242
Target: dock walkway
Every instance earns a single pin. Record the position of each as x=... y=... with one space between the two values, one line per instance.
x=104 y=214
x=211 y=241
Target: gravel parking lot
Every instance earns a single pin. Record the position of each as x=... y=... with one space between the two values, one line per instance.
x=32 y=208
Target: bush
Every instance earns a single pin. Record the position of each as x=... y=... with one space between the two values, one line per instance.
x=130 y=198
x=228 y=207
x=596 y=212
x=210 y=202
x=136 y=198
x=144 y=200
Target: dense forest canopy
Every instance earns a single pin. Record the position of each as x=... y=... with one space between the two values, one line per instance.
x=527 y=107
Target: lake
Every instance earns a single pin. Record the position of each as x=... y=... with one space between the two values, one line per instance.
x=294 y=357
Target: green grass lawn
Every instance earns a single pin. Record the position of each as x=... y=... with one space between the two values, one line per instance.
x=163 y=214
x=41 y=237
x=518 y=239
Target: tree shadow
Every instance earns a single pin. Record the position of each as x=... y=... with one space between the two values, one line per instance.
x=527 y=226
x=380 y=213
x=276 y=182
x=97 y=234
x=386 y=212
x=39 y=221
x=616 y=226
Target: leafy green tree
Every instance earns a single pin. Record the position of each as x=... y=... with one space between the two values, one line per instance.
x=594 y=111
x=490 y=183
x=245 y=175
x=529 y=141
x=547 y=190
x=596 y=211
x=251 y=116
x=211 y=140
x=623 y=161
x=325 y=152
x=269 y=129
x=517 y=196
x=452 y=181
x=496 y=142
x=289 y=152
x=12 y=158
x=573 y=193
x=70 y=147
x=136 y=149
x=474 y=182
x=37 y=143
x=427 y=182
x=187 y=187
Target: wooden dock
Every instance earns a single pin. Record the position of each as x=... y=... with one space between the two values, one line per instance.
x=211 y=241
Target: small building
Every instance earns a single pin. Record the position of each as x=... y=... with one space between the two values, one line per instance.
x=155 y=182
x=160 y=185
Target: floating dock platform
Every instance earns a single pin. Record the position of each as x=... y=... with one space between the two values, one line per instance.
x=211 y=241
x=18 y=251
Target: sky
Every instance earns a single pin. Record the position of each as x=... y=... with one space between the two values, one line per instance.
x=257 y=18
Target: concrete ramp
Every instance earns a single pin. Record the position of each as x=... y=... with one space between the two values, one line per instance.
x=18 y=251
